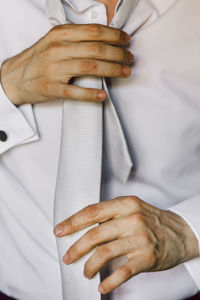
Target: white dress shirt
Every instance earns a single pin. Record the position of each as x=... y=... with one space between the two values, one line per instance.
x=159 y=108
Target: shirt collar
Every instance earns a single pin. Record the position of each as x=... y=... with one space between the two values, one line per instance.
x=81 y=5
x=56 y=13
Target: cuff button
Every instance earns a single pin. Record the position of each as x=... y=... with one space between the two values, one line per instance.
x=3 y=136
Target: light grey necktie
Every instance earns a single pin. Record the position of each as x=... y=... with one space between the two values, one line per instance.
x=80 y=161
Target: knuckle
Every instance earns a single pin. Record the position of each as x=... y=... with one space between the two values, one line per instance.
x=92 y=211
x=103 y=251
x=44 y=87
x=56 y=28
x=51 y=50
x=118 y=54
x=94 y=30
x=73 y=251
x=65 y=92
x=44 y=53
x=139 y=219
x=122 y=54
x=54 y=32
x=57 y=32
x=56 y=49
x=132 y=202
x=125 y=272
x=146 y=241
x=96 y=49
x=119 y=35
x=87 y=66
x=68 y=224
x=93 y=234
x=119 y=199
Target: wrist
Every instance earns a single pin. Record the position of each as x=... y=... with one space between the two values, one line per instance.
x=190 y=242
x=7 y=85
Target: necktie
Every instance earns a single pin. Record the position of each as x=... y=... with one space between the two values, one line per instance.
x=80 y=162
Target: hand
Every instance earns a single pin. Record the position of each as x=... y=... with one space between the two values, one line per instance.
x=43 y=71
x=150 y=238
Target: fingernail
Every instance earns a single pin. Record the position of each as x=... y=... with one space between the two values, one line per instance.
x=101 y=290
x=127 y=37
x=66 y=258
x=58 y=229
x=126 y=70
x=101 y=95
x=131 y=56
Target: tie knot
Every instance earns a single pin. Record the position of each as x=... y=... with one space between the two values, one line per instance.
x=56 y=13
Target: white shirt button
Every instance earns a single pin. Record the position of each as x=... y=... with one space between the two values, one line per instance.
x=93 y=14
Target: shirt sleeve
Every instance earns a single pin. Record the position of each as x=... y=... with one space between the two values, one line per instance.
x=189 y=210
x=17 y=124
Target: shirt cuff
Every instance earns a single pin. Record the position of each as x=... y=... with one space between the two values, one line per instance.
x=17 y=123
x=189 y=210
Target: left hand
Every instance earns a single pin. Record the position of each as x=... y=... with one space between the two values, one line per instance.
x=150 y=238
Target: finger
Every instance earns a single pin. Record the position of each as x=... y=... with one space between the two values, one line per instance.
x=105 y=232
x=93 y=237
x=74 y=92
x=89 y=32
x=122 y=274
x=96 y=213
x=56 y=90
x=91 y=67
x=94 y=50
x=106 y=252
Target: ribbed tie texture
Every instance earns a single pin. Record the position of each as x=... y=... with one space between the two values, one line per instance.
x=80 y=162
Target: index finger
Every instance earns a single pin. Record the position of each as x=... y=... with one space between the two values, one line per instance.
x=97 y=213
x=87 y=216
x=90 y=32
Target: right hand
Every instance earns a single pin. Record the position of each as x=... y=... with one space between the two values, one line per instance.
x=43 y=72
